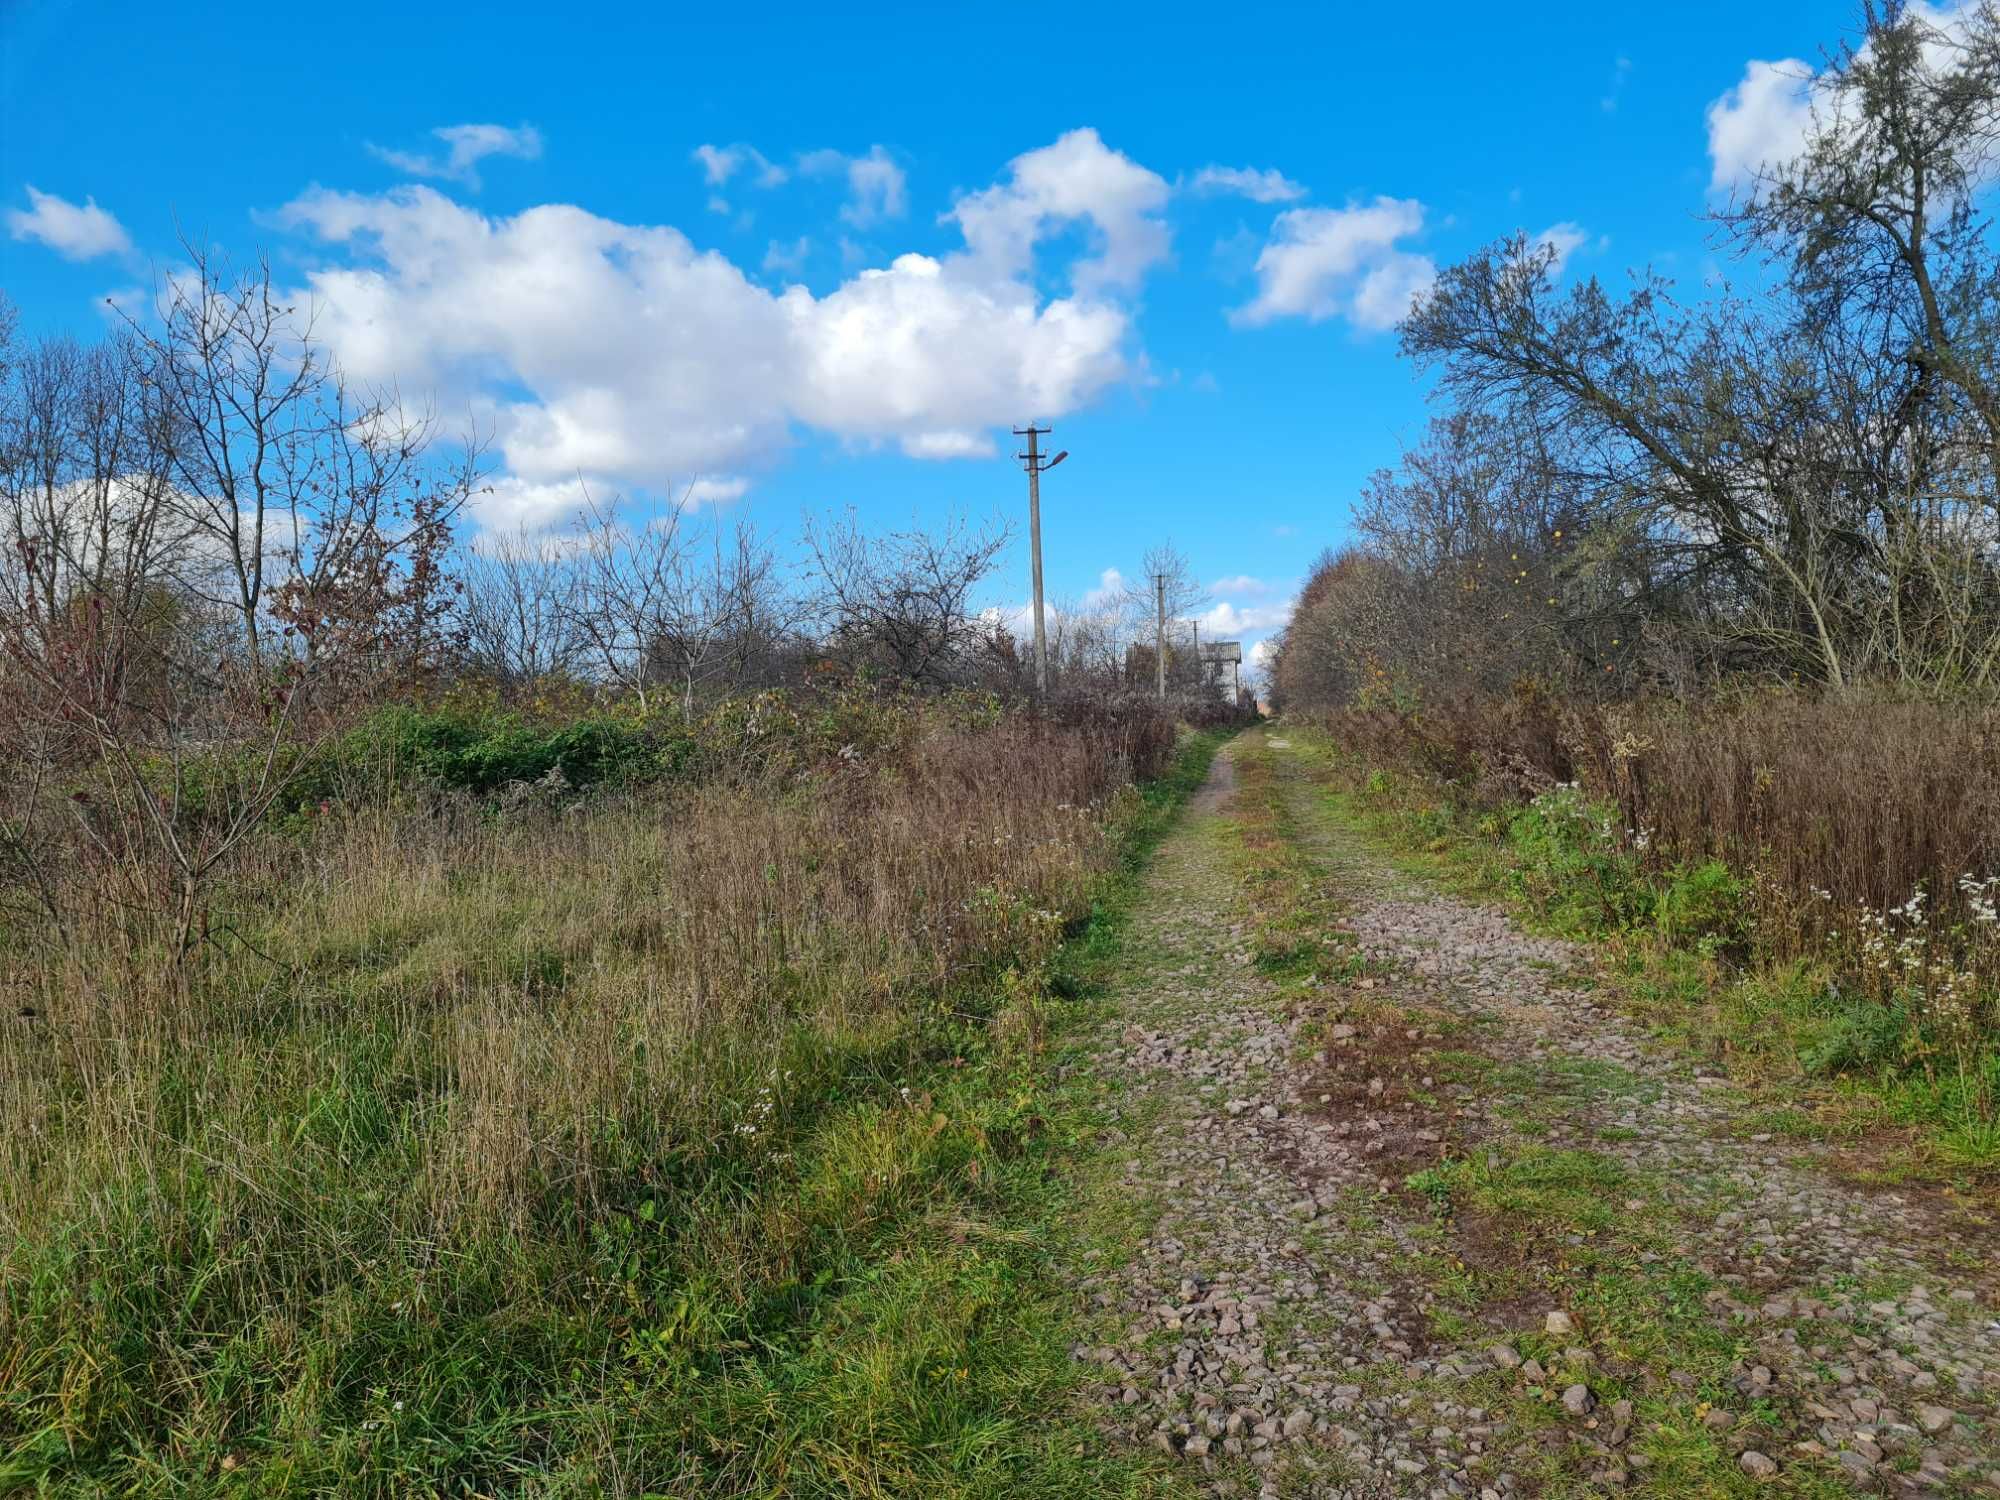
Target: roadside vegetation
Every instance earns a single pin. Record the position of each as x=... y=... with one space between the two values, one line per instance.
x=649 y=1140
x=1576 y=1218
x=553 y=1014
x=1679 y=625
x=1852 y=1024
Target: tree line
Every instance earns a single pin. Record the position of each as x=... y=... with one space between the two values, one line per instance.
x=1794 y=478
x=216 y=551
x=202 y=514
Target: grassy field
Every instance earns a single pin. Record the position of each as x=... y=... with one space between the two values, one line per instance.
x=624 y=1146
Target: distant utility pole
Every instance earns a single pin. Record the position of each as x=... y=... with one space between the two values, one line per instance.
x=1160 y=632
x=1036 y=466
x=1200 y=677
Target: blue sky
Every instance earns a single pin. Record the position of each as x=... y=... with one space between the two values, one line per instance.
x=1178 y=233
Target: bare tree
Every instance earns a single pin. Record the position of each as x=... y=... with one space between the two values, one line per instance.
x=1167 y=581
x=629 y=574
x=901 y=603
x=292 y=483
x=116 y=683
x=160 y=494
x=522 y=617
x=721 y=597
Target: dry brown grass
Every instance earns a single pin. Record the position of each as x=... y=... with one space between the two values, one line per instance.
x=561 y=969
x=562 y=1125
x=1867 y=796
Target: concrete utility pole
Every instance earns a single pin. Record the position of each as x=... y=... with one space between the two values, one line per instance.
x=1035 y=466
x=1200 y=677
x=1160 y=633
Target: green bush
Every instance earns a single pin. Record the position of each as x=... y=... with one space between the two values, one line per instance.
x=479 y=753
x=1704 y=906
x=1571 y=869
x=1855 y=1036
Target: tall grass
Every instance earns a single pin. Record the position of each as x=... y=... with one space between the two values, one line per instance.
x=1847 y=848
x=602 y=1147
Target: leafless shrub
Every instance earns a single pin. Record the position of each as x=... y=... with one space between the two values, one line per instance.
x=902 y=603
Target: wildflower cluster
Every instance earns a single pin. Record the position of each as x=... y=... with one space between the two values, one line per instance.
x=1982 y=898
x=764 y=1107
x=1932 y=967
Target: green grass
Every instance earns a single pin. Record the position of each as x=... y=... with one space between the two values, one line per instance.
x=857 y=1293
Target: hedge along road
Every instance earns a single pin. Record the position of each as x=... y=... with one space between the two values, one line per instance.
x=1420 y=1214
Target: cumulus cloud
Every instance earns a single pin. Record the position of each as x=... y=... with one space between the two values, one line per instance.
x=1110 y=589
x=949 y=444
x=1226 y=620
x=622 y=352
x=1259 y=185
x=73 y=231
x=466 y=146
x=876 y=187
x=716 y=491
x=1240 y=583
x=1763 y=121
x=1341 y=262
x=511 y=504
x=720 y=163
x=508 y=503
x=1564 y=240
x=789 y=259
x=1076 y=180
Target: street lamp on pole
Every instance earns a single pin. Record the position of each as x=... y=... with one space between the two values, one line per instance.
x=1037 y=465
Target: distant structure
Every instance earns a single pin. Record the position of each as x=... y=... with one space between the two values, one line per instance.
x=1222 y=669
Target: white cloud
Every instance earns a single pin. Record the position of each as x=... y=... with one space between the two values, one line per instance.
x=467 y=146
x=622 y=352
x=129 y=302
x=1621 y=71
x=719 y=490
x=1564 y=240
x=74 y=232
x=876 y=186
x=1259 y=185
x=1764 y=120
x=1018 y=620
x=1225 y=620
x=1761 y=120
x=949 y=444
x=789 y=259
x=1240 y=583
x=1327 y=262
x=720 y=163
x=1110 y=589
x=507 y=503
x=1078 y=179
